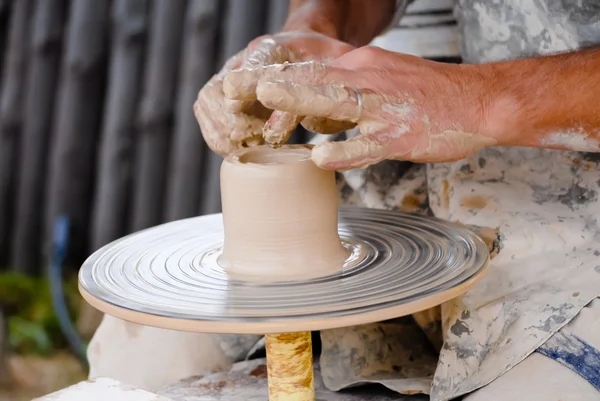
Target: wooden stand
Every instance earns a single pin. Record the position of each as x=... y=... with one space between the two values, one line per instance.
x=290 y=367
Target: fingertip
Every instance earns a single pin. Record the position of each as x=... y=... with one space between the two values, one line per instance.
x=358 y=152
x=326 y=157
x=276 y=138
x=280 y=126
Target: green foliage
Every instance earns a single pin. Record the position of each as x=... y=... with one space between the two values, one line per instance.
x=28 y=337
x=27 y=304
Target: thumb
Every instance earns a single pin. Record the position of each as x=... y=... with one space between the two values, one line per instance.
x=358 y=152
x=333 y=101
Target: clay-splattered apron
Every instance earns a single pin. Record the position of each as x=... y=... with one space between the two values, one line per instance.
x=530 y=321
x=538 y=208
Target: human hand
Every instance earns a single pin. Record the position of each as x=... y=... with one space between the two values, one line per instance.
x=231 y=124
x=407 y=108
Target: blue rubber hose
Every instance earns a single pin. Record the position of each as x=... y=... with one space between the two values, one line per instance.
x=60 y=242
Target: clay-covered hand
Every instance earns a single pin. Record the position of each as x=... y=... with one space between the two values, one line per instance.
x=231 y=124
x=407 y=108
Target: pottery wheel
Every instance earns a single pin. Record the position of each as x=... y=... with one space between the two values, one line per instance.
x=168 y=276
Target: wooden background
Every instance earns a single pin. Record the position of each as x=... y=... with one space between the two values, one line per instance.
x=96 y=120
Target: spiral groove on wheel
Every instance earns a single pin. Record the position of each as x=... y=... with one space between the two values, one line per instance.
x=171 y=271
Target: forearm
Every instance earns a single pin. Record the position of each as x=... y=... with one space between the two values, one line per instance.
x=547 y=102
x=355 y=22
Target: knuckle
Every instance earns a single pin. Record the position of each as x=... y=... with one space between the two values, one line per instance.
x=371 y=50
x=366 y=55
x=258 y=41
x=370 y=53
x=361 y=57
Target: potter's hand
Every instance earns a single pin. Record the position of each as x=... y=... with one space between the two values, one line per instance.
x=407 y=108
x=231 y=124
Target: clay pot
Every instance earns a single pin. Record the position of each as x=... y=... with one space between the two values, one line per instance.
x=279 y=214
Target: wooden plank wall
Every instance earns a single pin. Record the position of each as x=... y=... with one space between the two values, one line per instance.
x=96 y=120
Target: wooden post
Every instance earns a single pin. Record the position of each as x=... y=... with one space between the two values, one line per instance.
x=243 y=21
x=40 y=92
x=115 y=167
x=11 y=115
x=4 y=18
x=78 y=116
x=290 y=367
x=197 y=66
x=156 y=112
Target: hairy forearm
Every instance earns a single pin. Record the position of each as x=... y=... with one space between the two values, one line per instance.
x=355 y=22
x=548 y=102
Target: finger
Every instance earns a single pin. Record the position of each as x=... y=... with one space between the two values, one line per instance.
x=267 y=52
x=243 y=132
x=280 y=126
x=242 y=83
x=250 y=123
x=358 y=152
x=224 y=132
x=332 y=101
x=233 y=63
x=326 y=126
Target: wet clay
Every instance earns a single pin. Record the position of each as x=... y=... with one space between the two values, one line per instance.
x=279 y=215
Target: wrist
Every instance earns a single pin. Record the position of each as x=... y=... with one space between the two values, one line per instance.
x=499 y=106
x=323 y=17
x=356 y=22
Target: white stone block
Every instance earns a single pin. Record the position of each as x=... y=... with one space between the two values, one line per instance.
x=102 y=389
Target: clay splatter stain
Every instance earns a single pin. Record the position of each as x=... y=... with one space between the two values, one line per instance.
x=259 y=371
x=491 y=236
x=460 y=327
x=410 y=203
x=577 y=195
x=446 y=194
x=473 y=202
x=466 y=169
x=573 y=197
